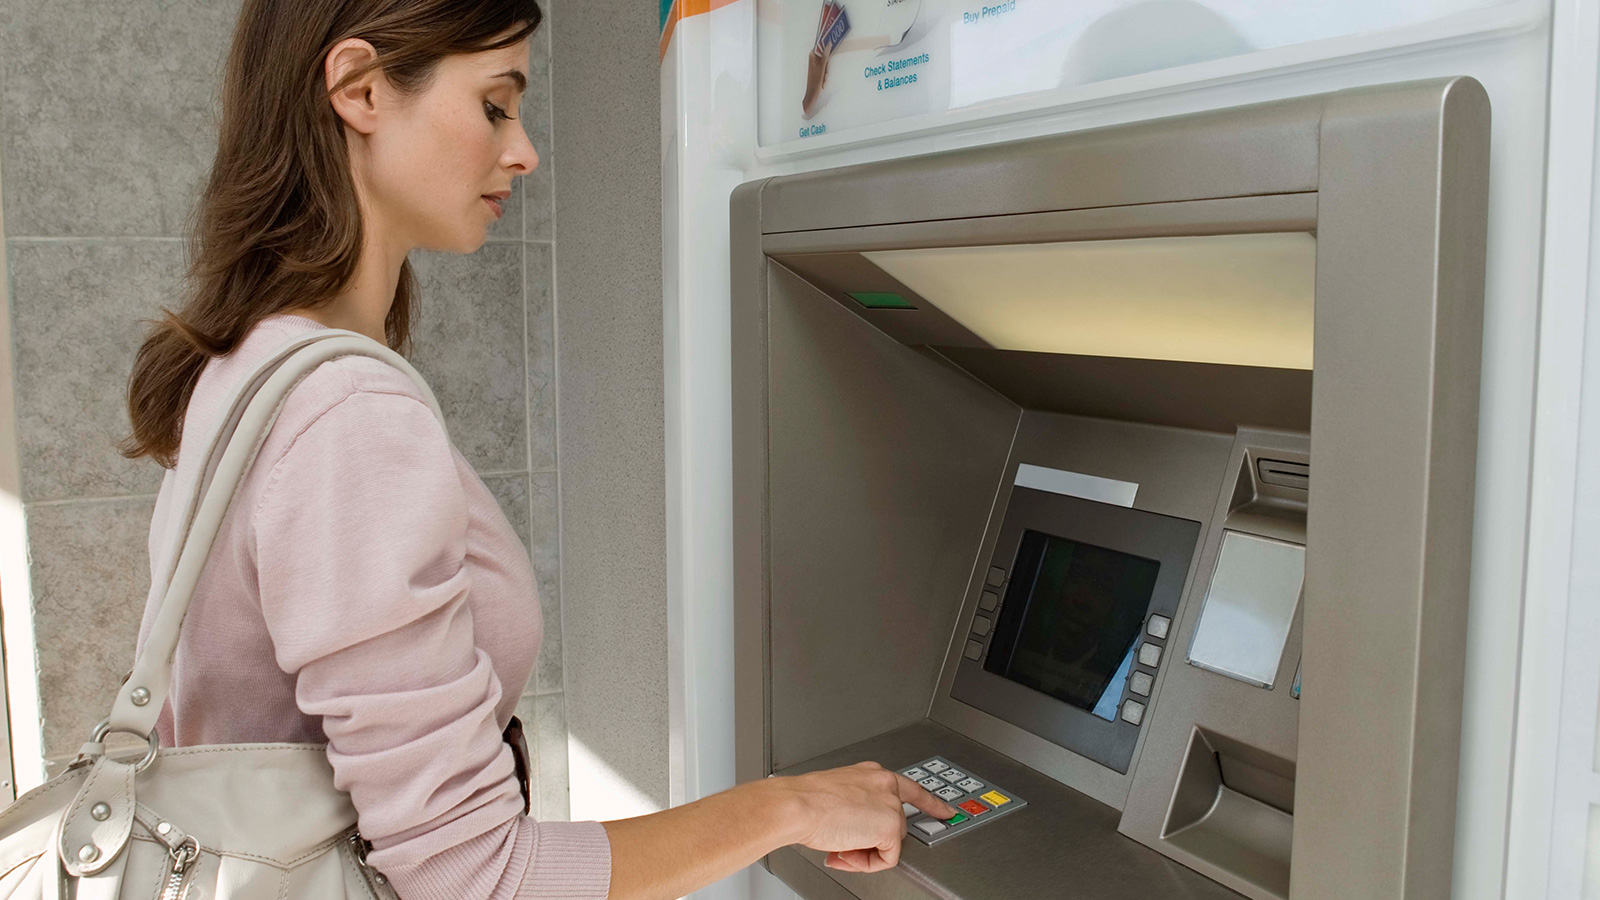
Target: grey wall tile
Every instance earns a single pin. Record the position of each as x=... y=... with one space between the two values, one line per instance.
x=551 y=716
x=509 y=227
x=76 y=307
x=539 y=281
x=544 y=549
x=469 y=345
x=91 y=572
x=106 y=116
x=538 y=186
x=511 y=492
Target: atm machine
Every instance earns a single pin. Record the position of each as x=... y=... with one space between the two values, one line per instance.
x=1118 y=487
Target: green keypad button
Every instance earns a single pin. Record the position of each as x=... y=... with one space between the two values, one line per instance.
x=956 y=819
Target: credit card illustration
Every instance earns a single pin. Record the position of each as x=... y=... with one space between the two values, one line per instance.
x=830 y=39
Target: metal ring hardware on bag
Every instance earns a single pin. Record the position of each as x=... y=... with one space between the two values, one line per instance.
x=104 y=728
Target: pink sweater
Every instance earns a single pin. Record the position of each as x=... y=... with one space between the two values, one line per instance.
x=367 y=591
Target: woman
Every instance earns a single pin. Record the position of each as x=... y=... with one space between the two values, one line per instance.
x=365 y=589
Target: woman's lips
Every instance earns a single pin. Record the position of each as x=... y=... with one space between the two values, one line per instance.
x=494 y=205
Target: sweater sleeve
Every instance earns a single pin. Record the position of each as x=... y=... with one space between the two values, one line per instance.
x=359 y=536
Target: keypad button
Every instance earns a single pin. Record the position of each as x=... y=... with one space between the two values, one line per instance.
x=931 y=783
x=995 y=798
x=956 y=819
x=1158 y=627
x=1140 y=683
x=952 y=775
x=970 y=785
x=988 y=601
x=974 y=650
x=980 y=625
x=935 y=766
x=947 y=793
x=1149 y=655
x=908 y=809
x=915 y=774
x=1132 y=712
x=974 y=807
x=996 y=577
x=929 y=827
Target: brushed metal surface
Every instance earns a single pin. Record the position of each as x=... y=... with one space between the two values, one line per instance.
x=883 y=468
x=1063 y=844
x=1268 y=148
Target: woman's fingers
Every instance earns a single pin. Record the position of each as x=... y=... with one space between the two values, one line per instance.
x=916 y=795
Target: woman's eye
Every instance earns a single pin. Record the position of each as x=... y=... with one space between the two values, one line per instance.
x=494 y=112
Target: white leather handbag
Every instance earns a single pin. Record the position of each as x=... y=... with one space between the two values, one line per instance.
x=226 y=822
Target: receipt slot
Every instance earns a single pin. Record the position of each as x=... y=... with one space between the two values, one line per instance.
x=1118 y=486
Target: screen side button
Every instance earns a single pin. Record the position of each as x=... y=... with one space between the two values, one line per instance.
x=996 y=577
x=1149 y=654
x=1158 y=627
x=974 y=650
x=980 y=625
x=1132 y=712
x=1140 y=683
x=988 y=601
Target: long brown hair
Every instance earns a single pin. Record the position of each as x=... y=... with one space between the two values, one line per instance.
x=278 y=226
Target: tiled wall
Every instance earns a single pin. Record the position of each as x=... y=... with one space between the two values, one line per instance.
x=105 y=135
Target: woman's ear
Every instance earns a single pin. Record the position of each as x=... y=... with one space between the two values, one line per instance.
x=354 y=102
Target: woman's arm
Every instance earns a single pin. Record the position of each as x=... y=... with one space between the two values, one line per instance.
x=852 y=812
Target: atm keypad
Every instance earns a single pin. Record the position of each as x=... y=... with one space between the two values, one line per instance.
x=979 y=801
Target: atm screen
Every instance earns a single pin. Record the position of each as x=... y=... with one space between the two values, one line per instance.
x=1070 y=619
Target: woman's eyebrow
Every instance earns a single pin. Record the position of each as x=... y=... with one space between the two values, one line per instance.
x=516 y=76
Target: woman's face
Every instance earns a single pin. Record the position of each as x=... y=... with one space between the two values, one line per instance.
x=438 y=165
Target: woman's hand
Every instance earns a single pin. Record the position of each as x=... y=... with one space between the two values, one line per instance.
x=854 y=813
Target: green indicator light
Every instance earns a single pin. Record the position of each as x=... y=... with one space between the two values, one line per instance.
x=879 y=300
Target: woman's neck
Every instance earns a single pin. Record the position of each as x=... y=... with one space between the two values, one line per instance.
x=363 y=305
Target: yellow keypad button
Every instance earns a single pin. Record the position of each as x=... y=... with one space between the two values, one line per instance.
x=996 y=798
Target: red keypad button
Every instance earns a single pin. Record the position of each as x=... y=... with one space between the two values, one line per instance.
x=974 y=807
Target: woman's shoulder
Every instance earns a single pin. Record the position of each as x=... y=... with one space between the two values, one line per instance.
x=361 y=396
x=354 y=393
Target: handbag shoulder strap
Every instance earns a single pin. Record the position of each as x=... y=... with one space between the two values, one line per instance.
x=254 y=408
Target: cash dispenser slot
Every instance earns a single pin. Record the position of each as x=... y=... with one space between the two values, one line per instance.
x=1021 y=491
x=1234 y=805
